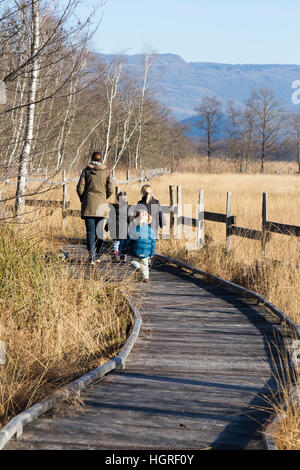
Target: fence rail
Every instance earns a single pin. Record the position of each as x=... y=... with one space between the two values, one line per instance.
x=177 y=219
x=64 y=204
x=144 y=175
x=264 y=235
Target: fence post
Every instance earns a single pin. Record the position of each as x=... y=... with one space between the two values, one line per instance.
x=117 y=190
x=127 y=176
x=264 y=222
x=228 y=221
x=172 y=212
x=179 y=215
x=200 y=220
x=64 y=201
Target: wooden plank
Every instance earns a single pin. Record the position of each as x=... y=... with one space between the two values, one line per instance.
x=178 y=234
x=248 y=233
x=200 y=220
x=189 y=221
x=44 y=203
x=73 y=213
x=228 y=222
x=216 y=217
x=117 y=190
x=172 y=209
x=264 y=222
x=283 y=229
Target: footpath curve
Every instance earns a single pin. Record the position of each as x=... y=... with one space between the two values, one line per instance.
x=196 y=378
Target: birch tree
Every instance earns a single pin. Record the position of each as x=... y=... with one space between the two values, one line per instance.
x=147 y=67
x=34 y=74
x=42 y=61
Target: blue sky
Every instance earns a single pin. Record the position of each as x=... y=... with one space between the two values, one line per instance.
x=228 y=31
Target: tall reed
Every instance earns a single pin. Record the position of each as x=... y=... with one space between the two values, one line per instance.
x=54 y=327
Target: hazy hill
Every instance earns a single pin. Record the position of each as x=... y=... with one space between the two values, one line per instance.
x=181 y=85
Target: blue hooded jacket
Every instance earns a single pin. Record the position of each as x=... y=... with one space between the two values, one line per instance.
x=142 y=245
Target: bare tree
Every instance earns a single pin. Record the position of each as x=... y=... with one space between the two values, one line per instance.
x=42 y=57
x=248 y=136
x=240 y=131
x=268 y=120
x=112 y=83
x=210 y=112
x=80 y=102
x=147 y=67
x=25 y=152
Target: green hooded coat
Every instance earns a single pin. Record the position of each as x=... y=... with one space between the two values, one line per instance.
x=94 y=187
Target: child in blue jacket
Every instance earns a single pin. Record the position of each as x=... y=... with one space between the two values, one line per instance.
x=140 y=243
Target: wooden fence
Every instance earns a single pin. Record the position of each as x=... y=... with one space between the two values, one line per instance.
x=64 y=204
x=144 y=175
x=228 y=219
x=178 y=219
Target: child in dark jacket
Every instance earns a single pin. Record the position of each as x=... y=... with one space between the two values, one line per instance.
x=153 y=208
x=120 y=223
x=140 y=243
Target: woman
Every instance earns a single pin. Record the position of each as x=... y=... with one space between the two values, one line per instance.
x=94 y=187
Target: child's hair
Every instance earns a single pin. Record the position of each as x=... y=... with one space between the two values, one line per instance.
x=141 y=213
x=122 y=194
x=147 y=191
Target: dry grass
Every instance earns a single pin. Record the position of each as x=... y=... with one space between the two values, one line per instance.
x=276 y=276
x=287 y=431
x=219 y=165
x=54 y=327
x=285 y=405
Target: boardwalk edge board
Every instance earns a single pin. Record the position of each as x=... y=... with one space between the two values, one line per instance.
x=16 y=424
x=268 y=439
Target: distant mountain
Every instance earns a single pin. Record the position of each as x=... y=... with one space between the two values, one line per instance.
x=181 y=85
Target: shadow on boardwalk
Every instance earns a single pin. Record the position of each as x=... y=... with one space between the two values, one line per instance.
x=195 y=379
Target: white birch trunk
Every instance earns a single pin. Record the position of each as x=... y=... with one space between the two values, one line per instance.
x=138 y=145
x=25 y=153
x=111 y=94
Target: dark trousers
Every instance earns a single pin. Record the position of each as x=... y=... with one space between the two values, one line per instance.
x=94 y=244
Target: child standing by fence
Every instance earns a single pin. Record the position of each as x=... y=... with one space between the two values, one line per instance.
x=140 y=244
x=153 y=208
x=119 y=217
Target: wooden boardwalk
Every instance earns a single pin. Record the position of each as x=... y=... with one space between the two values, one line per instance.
x=194 y=380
